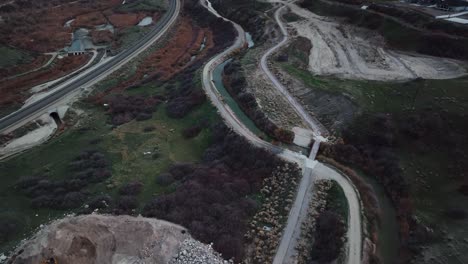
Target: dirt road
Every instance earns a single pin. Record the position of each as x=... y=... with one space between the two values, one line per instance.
x=350 y=52
x=291 y=232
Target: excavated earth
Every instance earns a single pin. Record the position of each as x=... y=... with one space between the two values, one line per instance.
x=98 y=239
x=349 y=52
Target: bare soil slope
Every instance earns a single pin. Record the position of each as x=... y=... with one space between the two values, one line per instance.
x=351 y=52
x=104 y=239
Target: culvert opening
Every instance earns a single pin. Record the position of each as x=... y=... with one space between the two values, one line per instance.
x=56 y=118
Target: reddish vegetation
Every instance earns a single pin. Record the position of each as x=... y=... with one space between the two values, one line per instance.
x=38 y=62
x=102 y=36
x=39 y=26
x=15 y=90
x=125 y=20
x=89 y=20
x=164 y=63
x=176 y=56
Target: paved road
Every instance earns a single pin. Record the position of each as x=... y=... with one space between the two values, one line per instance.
x=91 y=76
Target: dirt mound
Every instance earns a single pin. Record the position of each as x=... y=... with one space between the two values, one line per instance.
x=104 y=239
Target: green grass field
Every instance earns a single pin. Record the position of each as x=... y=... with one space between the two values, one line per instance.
x=127 y=147
x=377 y=96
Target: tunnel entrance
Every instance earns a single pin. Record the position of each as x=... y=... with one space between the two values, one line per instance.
x=56 y=118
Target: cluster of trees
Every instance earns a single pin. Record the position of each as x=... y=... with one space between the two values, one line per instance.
x=125 y=108
x=246 y=13
x=328 y=238
x=188 y=95
x=89 y=167
x=223 y=31
x=372 y=145
x=127 y=201
x=212 y=200
x=235 y=83
x=183 y=98
x=192 y=131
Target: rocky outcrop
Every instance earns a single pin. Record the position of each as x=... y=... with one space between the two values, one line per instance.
x=114 y=239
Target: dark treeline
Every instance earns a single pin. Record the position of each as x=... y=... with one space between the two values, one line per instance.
x=328 y=238
x=372 y=143
x=125 y=108
x=212 y=200
x=246 y=13
x=182 y=99
x=235 y=83
x=186 y=96
x=88 y=168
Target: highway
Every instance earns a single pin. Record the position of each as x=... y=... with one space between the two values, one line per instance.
x=290 y=233
x=93 y=75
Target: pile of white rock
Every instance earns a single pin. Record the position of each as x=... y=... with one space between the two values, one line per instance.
x=194 y=252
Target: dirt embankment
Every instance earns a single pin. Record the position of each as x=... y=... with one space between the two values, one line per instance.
x=435 y=38
x=113 y=239
x=352 y=52
x=15 y=91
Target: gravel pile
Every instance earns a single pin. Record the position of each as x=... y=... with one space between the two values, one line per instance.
x=194 y=252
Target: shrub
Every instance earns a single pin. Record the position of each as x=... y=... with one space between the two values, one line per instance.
x=125 y=108
x=211 y=200
x=9 y=226
x=131 y=188
x=328 y=236
x=126 y=204
x=100 y=202
x=192 y=131
x=165 y=179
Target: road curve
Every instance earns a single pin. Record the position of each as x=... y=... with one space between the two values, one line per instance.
x=223 y=109
x=354 y=232
x=316 y=127
x=320 y=171
x=93 y=75
x=354 y=252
